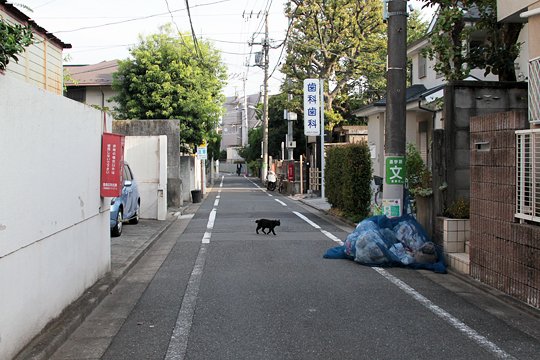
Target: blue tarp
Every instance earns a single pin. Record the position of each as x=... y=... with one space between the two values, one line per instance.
x=383 y=241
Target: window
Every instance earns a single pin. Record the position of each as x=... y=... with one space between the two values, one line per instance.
x=528 y=175
x=76 y=93
x=422 y=67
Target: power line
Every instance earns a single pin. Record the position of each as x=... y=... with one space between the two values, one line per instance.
x=135 y=19
x=195 y=43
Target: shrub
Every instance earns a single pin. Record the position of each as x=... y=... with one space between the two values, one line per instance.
x=459 y=209
x=417 y=173
x=347 y=179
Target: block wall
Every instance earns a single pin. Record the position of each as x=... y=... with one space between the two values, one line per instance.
x=504 y=253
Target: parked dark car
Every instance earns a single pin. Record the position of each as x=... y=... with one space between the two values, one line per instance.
x=126 y=207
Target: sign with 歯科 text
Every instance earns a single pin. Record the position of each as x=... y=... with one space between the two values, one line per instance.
x=312 y=107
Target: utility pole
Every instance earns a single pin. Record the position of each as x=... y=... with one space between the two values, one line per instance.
x=395 y=124
x=245 y=125
x=266 y=47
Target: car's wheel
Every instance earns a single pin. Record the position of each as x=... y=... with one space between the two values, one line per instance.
x=135 y=219
x=117 y=229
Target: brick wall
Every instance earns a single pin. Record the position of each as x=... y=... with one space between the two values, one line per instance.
x=503 y=253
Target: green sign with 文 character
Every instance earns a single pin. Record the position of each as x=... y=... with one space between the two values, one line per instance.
x=395 y=170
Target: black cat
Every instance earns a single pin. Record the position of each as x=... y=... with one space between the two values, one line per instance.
x=267 y=224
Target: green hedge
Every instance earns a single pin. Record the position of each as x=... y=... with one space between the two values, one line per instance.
x=347 y=179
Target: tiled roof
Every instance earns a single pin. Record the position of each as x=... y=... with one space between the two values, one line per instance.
x=99 y=74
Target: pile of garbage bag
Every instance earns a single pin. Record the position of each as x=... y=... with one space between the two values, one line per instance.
x=396 y=241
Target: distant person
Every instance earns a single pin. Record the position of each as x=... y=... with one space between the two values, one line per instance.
x=238 y=169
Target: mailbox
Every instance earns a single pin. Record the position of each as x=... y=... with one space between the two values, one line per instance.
x=290 y=171
x=112 y=165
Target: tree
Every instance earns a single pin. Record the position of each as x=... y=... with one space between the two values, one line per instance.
x=14 y=39
x=171 y=78
x=278 y=128
x=495 y=46
x=340 y=41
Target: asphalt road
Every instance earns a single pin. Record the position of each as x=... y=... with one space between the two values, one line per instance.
x=211 y=288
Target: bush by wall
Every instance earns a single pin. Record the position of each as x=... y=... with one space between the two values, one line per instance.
x=347 y=177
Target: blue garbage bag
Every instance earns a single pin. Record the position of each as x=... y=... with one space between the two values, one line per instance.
x=397 y=241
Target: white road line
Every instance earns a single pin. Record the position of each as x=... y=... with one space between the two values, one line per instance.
x=281 y=202
x=180 y=336
x=332 y=237
x=179 y=340
x=306 y=220
x=211 y=219
x=470 y=333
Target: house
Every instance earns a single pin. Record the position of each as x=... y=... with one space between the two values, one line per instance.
x=235 y=125
x=438 y=117
x=423 y=116
x=350 y=134
x=41 y=63
x=91 y=84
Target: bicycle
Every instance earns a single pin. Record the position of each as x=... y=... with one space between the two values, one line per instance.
x=281 y=184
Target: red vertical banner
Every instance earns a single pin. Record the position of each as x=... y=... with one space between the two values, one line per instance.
x=112 y=162
x=290 y=171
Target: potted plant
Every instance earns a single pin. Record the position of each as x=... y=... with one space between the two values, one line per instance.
x=456 y=226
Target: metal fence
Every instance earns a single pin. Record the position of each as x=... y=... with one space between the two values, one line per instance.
x=528 y=175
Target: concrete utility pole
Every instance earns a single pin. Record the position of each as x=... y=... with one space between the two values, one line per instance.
x=395 y=124
x=266 y=47
x=245 y=125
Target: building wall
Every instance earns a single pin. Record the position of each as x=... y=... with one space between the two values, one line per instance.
x=40 y=64
x=54 y=226
x=170 y=128
x=506 y=8
x=100 y=96
x=503 y=254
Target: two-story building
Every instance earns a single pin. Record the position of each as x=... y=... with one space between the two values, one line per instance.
x=41 y=63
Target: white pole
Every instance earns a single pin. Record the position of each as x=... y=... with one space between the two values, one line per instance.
x=322 y=138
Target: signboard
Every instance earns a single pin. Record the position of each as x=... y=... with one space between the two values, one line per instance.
x=395 y=170
x=312 y=107
x=112 y=165
x=202 y=153
x=391 y=207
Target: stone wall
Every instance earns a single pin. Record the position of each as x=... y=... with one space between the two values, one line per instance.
x=170 y=128
x=503 y=253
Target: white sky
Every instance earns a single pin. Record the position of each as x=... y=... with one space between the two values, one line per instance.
x=229 y=24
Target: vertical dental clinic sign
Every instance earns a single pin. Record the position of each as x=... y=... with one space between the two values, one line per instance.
x=112 y=165
x=312 y=107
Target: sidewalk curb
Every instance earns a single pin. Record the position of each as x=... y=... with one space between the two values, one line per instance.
x=57 y=331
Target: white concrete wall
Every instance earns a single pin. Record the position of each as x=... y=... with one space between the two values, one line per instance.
x=147 y=157
x=54 y=227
